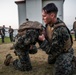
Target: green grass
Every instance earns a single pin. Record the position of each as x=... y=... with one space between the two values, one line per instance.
x=72 y=35
x=6 y=39
x=38 y=61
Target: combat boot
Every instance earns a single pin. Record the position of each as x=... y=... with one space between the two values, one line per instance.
x=7 y=61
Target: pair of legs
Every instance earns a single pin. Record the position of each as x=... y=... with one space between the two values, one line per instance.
x=23 y=62
x=63 y=63
x=11 y=37
x=2 y=36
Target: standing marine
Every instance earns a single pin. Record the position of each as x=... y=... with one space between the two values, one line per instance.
x=74 y=28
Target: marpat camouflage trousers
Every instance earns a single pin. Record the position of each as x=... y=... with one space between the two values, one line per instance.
x=23 y=63
x=63 y=64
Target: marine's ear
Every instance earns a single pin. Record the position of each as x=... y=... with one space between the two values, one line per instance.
x=52 y=15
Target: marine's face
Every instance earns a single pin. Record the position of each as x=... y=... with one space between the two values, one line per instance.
x=9 y=26
x=3 y=26
x=47 y=18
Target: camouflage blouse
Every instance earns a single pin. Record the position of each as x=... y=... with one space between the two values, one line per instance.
x=60 y=35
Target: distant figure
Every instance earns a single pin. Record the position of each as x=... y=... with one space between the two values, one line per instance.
x=74 y=28
x=0 y=31
x=3 y=33
x=11 y=33
x=27 y=19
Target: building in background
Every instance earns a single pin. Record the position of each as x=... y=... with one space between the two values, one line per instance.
x=32 y=9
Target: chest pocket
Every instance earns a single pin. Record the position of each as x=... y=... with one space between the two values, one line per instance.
x=50 y=31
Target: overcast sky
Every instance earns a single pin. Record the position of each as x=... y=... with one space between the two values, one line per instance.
x=9 y=13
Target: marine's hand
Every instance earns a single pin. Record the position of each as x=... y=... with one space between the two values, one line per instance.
x=31 y=47
x=41 y=37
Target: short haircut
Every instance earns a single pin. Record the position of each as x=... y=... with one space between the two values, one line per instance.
x=51 y=7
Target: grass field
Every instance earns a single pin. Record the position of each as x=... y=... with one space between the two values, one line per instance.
x=6 y=39
x=38 y=60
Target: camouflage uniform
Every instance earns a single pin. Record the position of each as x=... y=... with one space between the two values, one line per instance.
x=74 y=28
x=56 y=48
x=22 y=49
x=27 y=36
x=3 y=34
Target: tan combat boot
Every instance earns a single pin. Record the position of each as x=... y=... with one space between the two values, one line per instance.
x=8 y=59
